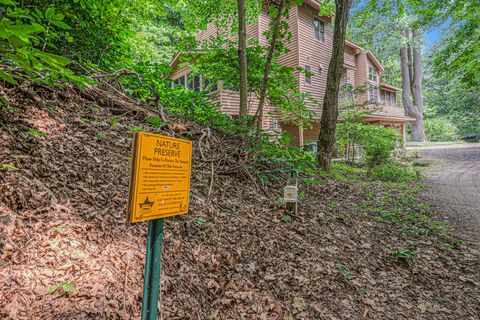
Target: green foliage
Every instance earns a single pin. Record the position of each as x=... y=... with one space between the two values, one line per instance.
x=64 y=288
x=286 y=218
x=393 y=171
x=440 y=129
x=378 y=142
x=456 y=55
x=344 y=271
x=7 y=167
x=405 y=256
x=116 y=33
x=454 y=101
x=25 y=35
x=198 y=106
x=274 y=151
x=36 y=134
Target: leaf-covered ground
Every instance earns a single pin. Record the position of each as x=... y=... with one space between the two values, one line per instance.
x=64 y=179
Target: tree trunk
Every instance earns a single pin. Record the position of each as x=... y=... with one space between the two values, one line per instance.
x=418 y=130
x=268 y=63
x=412 y=87
x=410 y=57
x=242 y=57
x=328 y=123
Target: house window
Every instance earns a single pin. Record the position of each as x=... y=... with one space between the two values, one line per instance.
x=393 y=103
x=308 y=75
x=373 y=94
x=384 y=97
x=181 y=81
x=319 y=29
x=193 y=82
x=372 y=74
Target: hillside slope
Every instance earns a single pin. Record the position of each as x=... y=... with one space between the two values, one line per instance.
x=64 y=181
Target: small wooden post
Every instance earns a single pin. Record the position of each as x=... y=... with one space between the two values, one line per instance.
x=290 y=194
x=300 y=136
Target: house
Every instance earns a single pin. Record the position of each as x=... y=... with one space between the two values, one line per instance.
x=310 y=48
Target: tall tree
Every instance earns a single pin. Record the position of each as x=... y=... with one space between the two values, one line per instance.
x=412 y=76
x=275 y=31
x=242 y=57
x=328 y=123
x=405 y=18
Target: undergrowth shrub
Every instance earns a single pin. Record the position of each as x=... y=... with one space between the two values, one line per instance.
x=198 y=107
x=378 y=142
x=440 y=129
x=394 y=171
x=276 y=151
x=25 y=36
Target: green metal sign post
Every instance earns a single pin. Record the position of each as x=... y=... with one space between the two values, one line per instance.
x=151 y=282
x=159 y=187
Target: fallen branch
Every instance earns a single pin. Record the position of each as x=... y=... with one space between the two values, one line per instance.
x=158 y=104
x=118 y=74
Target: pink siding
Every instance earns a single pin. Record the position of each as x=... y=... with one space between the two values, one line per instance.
x=230 y=104
x=211 y=32
x=349 y=57
x=291 y=58
x=361 y=75
x=263 y=26
x=253 y=32
x=314 y=53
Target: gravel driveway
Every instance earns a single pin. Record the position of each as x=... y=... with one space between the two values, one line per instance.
x=454 y=188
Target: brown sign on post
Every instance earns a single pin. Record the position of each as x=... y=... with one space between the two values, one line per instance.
x=159 y=177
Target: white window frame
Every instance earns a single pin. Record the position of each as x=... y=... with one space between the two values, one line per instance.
x=373 y=74
x=320 y=32
x=370 y=91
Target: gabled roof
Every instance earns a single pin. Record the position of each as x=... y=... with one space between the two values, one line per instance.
x=177 y=55
x=374 y=60
x=175 y=58
x=353 y=45
x=314 y=4
x=369 y=54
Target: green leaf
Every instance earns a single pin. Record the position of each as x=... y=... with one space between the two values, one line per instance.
x=68 y=287
x=39 y=13
x=7 y=77
x=49 y=13
x=53 y=288
x=60 y=24
x=65 y=286
x=7 y=167
x=286 y=218
x=52 y=59
x=8 y=2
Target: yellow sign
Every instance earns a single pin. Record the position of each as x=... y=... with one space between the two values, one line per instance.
x=159 y=177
